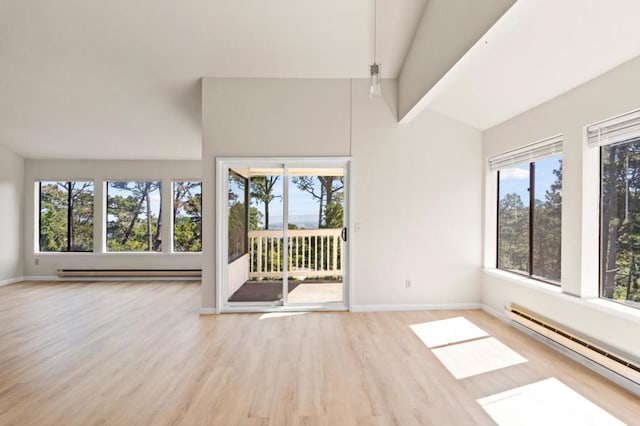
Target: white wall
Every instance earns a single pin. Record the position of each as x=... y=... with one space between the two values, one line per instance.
x=238 y=273
x=11 y=213
x=577 y=306
x=102 y=171
x=416 y=186
x=418 y=203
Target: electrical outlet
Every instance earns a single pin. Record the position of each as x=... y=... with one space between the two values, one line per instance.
x=37 y=261
x=407 y=283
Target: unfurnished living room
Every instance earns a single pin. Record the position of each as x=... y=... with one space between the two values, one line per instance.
x=338 y=212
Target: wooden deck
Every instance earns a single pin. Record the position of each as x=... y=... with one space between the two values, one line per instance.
x=139 y=353
x=299 y=292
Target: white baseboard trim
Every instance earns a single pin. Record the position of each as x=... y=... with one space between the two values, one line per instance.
x=208 y=311
x=92 y=279
x=41 y=278
x=416 y=307
x=11 y=281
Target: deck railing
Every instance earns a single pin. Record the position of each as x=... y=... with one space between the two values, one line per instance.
x=311 y=253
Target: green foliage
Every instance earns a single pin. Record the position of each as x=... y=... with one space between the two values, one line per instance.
x=513 y=237
x=66 y=222
x=620 y=222
x=187 y=216
x=132 y=225
x=547 y=231
x=263 y=191
x=329 y=192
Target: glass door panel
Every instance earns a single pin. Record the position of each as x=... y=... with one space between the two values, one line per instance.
x=255 y=223
x=316 y=219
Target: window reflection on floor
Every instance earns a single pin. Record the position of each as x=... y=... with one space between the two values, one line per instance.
x=272 y=315
x=466 y=350
x=477 y=357
x=548 y=402
x=447 y=331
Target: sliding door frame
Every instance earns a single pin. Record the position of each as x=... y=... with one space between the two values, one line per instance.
x=223 y=164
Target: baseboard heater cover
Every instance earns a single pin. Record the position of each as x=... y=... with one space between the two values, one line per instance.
x=620 y=364
x=69 y=273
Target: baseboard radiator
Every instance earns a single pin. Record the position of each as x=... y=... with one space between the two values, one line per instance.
x=597 y=353
x=129 y=273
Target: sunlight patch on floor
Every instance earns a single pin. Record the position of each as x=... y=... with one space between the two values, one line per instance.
x=271 y=315
x=447 y=331
x=548 y=402
x=477 y=357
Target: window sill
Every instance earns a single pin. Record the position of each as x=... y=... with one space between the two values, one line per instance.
x=63 y=253
x=524 y=280
x=615 y=308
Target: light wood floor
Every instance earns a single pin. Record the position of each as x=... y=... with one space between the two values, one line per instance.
x=139 y=353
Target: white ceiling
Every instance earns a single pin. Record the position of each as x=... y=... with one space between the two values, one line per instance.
x=535 y=52
x=121 y=78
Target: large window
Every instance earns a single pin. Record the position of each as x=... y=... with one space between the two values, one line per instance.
x=238 y=215
x=187 y=216
x=66 y=216
x=620 y=222
x=133 y=216
x=529 y=216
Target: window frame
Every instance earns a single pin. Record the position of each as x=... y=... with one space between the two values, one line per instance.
x=69 y=216
x=530 y=238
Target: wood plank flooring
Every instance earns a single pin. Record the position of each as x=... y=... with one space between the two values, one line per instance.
x=138 y=353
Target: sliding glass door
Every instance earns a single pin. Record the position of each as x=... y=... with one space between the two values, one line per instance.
x=284 y=232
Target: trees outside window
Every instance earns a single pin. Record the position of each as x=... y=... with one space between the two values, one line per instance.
x=329 y=192
x=66 y=216
x=134 y=212
x=187 y=216
x=620 y=222
x=529 y=216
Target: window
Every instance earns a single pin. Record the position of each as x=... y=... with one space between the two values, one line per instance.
x=66 y=216
x=238 y=215
x=134 y=216
x=529 y=210
x=618 y=140
x=187 y=216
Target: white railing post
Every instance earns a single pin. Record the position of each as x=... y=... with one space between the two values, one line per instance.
x=313 y=258
x=259 y=271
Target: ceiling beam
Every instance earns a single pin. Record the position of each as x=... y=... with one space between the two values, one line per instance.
x=448 y=29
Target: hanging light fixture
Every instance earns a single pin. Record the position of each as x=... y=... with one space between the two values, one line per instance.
x=374 y=69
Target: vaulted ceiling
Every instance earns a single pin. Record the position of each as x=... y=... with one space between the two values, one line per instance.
x=121 y=79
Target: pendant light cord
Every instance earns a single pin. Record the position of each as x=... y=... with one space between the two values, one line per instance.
x=375 y=28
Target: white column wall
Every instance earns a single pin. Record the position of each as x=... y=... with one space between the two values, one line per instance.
x=11 y=216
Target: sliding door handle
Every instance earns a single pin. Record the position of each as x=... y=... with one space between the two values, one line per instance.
x=344 y=234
